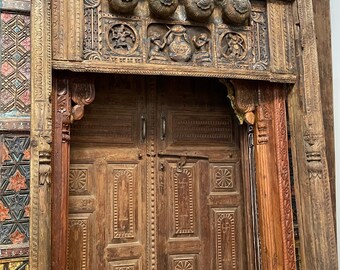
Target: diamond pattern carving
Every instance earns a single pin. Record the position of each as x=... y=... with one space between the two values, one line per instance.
x=15 y=65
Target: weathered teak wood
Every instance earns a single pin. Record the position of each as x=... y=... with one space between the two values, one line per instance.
x=69 y=99
x=272 y=178
x=315 y=213
x=321 y=11
x=311 y=172
x=60 y=165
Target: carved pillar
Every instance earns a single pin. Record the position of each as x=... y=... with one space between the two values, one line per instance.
x=272 y=167
x=41 y=137
x=70 y=97
x=273 y=181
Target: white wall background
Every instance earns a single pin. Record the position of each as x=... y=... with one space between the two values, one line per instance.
x=335 y=23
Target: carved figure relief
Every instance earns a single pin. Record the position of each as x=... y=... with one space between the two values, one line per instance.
x=199 y=10
x=179 y=44
x=233 y=46
x=201 y=43
x=122 y=39
x=123 y=6
x=163 y=8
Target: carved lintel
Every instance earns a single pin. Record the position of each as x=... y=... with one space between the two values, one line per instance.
x=243 y=99
x=82 y=94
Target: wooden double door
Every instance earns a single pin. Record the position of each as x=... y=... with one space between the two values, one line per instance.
x=158 y=178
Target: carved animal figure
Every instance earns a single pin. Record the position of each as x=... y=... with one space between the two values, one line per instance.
x=123 y=6
x=236 y=11
x=163 y=8
x=199 y=10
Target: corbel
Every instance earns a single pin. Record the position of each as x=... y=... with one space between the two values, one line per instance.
x=82 y=94
x=242 y=96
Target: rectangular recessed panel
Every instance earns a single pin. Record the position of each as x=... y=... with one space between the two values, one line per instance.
x=202 y=129
x=78 y=242
x=126 y=265
x=183 y=201
x=105 y=126
x=225 y=233
x=183 y=262
x=123 y=190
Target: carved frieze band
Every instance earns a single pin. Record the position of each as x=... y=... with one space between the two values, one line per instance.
x=105 y=32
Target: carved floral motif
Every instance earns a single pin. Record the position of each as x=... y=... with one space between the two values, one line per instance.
x=184 y=265
x=223 y=178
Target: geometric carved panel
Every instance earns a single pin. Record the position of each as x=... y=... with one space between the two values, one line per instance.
x=223 y=179
x=201 y=129
x=14 y=191
x=225 y=238
x=183 y=262
x=15 y=65
x=78 y=180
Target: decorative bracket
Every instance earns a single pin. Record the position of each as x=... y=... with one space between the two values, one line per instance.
x=243 y=98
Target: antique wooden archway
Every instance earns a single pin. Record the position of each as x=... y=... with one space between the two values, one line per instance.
x=268 y=104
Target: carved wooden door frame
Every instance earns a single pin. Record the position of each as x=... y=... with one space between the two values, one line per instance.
x=265 y=105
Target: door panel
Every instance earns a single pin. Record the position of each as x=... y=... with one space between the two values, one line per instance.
x=155 y=180
x=106 y=147
x=201 y=216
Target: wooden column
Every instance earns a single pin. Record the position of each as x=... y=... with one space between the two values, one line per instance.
x=272 y=179
x=60 y=165
x=69 y=99
x=311 y=154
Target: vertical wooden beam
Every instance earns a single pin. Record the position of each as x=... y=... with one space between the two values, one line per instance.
x=272 y=178
x=323 y=41
x=41 y=137
x=311 y=169
x=60 y=163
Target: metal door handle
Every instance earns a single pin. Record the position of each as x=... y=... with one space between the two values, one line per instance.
x=163 y=127
x=143 y=131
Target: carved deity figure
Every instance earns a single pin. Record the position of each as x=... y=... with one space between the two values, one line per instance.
x=234 y=46
x=180 y=49
x=157 y=46
x=201 y=43
x=122 y=38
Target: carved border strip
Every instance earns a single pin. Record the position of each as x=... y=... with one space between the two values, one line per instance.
x=283 y=174
x=41 y=137
x=101 y=67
